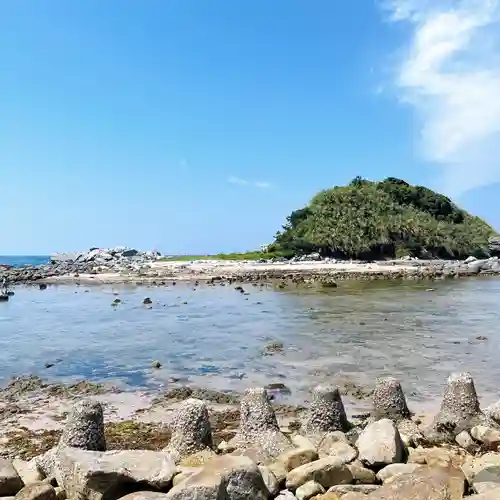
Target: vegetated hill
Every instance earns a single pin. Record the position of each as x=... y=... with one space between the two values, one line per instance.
x=391 y=218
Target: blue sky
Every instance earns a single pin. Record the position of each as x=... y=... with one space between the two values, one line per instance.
x=197 y=126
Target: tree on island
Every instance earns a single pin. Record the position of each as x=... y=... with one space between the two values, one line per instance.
x=391 y=218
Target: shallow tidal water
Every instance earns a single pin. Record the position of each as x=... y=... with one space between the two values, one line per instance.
x=214 y=336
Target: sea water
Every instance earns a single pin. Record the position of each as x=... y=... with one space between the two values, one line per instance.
x=216 y=337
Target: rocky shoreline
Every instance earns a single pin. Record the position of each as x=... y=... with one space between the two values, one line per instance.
x=196 y=444
x=130 y=266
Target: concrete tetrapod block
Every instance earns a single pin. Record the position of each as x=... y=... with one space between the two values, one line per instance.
x=84 y=427
x=259 y=427
x=459 y=410
x=327 y=412
x=389 y=400
x=191 y=430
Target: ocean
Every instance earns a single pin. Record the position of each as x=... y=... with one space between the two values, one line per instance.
x=23 y=260
x=215 y=337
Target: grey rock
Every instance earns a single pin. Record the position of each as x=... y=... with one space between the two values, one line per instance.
x=60 y=493
x=465 y=440
x=326 y=412
x=223 y=478
x=84 y=427
x=486 y=435
x=286 y=495
x=270 y=480
x=483 y=469
x=191 y=430
x=459 y=410
x=145 y=495
x=389 y=400
x=37 y=491
x=326 y=471
x=10 y=482
x=380 y=444
x=309 y=490
x=28 y=471
x=92 y=475
x=424 y=483
x=297 y=457
x=410 y=433
x=493 y=494
x=361 y=474
x=336 y=444
x=343 y=489
x=259 y=427
x=486 y=486
x=392 y=470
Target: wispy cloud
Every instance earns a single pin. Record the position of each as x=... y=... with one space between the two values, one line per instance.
x=245 y=182
x=450 y=75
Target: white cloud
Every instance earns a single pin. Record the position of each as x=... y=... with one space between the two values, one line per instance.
x=237 y=180
x=262 y=185
x=244 y=182
x=450 y=75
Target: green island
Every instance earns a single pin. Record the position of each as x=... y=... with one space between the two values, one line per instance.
x=375 y=220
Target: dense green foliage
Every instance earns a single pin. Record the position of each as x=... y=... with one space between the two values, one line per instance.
x=383 y=219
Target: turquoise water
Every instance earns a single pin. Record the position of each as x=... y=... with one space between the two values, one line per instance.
x=214 y=337
x=22 y=260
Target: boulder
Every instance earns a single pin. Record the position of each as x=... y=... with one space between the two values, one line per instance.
x=465 y=441
x=90 y=475
x=410 y=433
x=380 y=444
x=337 y=449
x=487 y=495
x=28 y=471
x=309 y=490
x=390 y=471
x=297 y=457
x=225 y=477
x=494 y=245
x=343 y=489
x=424 y=483
x=191 y=430
x=270 y=480
x=10 y=482
x=144 y=495
x=84 y=427
x=60 y=493
x=326 y=412
x=459 y=410
x=389 y=400
x=37 y=491
x=483 y=469
x=258 y=426
x=326 y=471
x=361 y=474
x=486 y=435
x=486 y=486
